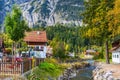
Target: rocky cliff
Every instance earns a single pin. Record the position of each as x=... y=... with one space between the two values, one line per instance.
x=45 y=12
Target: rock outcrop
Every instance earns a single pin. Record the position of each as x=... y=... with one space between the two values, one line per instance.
x=45 y=12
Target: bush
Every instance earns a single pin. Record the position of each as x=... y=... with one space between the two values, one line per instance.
x=8 y=50
x=51 y=60
x=46 y=70
x=65 y=65
x=22 y=49
x=52 y=69
x=99 y=56
x=59 y=52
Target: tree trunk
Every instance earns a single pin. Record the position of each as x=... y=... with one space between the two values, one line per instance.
x=12 y=48
x=107 y=53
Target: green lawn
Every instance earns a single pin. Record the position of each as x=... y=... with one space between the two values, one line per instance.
x=103 y=60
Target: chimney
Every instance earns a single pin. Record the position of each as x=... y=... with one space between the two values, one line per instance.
x=38 y=32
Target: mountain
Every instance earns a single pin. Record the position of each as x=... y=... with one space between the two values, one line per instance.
x=45 y=12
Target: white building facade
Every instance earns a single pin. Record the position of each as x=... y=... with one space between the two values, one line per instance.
x=116 y=55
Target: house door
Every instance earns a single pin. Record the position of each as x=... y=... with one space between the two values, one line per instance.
x=119 y=57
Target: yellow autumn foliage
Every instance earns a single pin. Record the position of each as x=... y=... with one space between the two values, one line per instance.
x=113 y=17
x=93 y=32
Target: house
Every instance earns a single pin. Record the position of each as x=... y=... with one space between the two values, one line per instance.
x=89 y=53
x=37 y=41
x=115 y=52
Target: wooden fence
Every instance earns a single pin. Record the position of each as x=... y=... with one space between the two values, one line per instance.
x=18 y=67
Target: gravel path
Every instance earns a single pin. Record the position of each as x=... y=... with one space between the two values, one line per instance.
x=115 y=68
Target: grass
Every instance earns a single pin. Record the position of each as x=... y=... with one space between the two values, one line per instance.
x=103 y=60
x=82 y=55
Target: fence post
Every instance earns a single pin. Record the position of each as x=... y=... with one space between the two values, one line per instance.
x=22 y=67
x=35 y=62
x=0 y=66
x=30 y=64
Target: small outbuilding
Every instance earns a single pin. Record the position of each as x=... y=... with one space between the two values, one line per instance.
x=89 y=53
x=115 y=52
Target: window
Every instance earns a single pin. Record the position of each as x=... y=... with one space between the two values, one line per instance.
x=117 y=56
x=113 y=56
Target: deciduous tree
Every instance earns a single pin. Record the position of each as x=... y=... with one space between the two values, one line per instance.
x=15 y=25
x=95 y=17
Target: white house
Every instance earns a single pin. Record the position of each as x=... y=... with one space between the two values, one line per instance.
x=38 y=41
x=115 y=52
x=116 y=55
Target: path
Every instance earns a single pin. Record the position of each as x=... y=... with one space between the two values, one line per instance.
x=115 y=68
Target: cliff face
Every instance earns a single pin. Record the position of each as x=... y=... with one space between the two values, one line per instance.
x=45 y=12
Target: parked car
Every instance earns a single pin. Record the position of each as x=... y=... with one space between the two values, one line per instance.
x=18 y=59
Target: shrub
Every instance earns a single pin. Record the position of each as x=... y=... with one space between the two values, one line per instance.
x=22 y=49
x=52 y=69
x=45 y=71
x=65 y=65
x=51 y=60
x=8 y=50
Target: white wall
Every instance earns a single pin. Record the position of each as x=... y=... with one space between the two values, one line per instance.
x=40 y=54
x=116 y=57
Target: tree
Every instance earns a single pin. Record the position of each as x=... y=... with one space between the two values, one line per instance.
x=114 y=19
x=7 y=41
x=95 y=16
x=15 y=26
x=58 y=49
x=72 y=38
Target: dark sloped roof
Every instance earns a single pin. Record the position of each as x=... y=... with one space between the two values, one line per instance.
x=114 y=48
